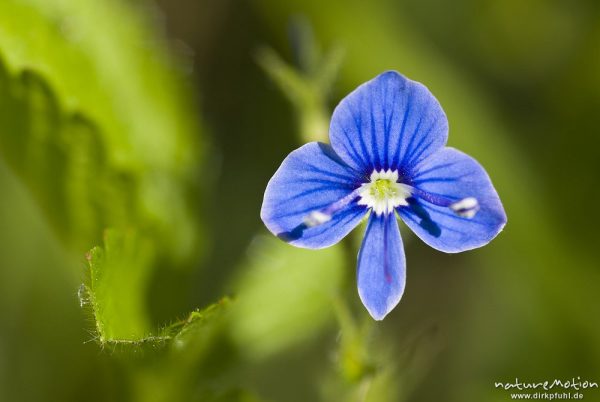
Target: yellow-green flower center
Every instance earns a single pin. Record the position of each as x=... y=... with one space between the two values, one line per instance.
x=383 y=188
x=383 y=193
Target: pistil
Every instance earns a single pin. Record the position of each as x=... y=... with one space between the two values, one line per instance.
x=384 y=193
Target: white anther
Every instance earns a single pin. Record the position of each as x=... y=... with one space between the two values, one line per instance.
x=316 y=218
x=466 y=208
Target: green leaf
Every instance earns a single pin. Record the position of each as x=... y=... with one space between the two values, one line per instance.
x=97 y=120
x=285 y=295
x=63 y=160
x=167 y=359
x=308 y=89
x=116 y=286
x=115 y=293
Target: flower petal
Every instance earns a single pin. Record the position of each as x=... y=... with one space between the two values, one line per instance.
x=311 y=178
x=389 y=122
x=381 y=266
x=454 y=175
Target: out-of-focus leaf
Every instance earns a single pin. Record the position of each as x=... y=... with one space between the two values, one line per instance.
x=96 y=120
x=116 y=288
x=284 y=295
x=307 y=86
x=115 y=293
x=63 y=159
x=185 y=372
x=374 y=367
x=402 y=365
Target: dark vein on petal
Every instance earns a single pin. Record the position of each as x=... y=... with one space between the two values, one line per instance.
x=366 y=236
x=402 y=131
x=314 y=190
x=359 y=132
x=386 y=128
x=386 y=257
x=374 y=144
x=434 y=168
x=417 y=157
x=460 y=218
x=327 y=182
x=440 y=179
x=355 y=153
x=410 y=217
x=411 y=154
x=338 y=176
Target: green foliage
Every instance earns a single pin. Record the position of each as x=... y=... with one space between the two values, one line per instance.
x=116 y=288
x=98 y=124
x=307 y=85
x=96 y=121
x=97 y=128
x=192 y=360
x=62 y=158
x=115 y=294
x=284 y=295
x=166 y=360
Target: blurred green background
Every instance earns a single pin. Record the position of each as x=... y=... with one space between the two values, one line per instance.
x=164 y=121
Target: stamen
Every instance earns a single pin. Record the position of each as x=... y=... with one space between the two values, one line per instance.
x=384 y=193
x=324 y=215
x=466 y=208
x=316 y=218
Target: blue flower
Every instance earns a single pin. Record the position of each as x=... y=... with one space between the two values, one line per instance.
x=387 y=158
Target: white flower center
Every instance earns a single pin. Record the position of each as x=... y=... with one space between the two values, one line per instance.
x=383 y=193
